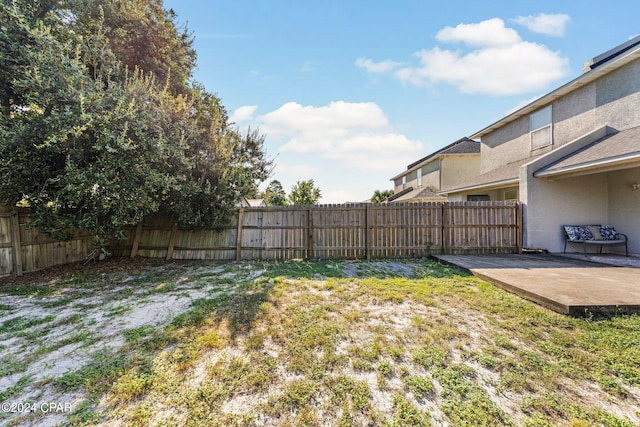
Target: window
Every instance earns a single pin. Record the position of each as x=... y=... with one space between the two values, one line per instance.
x=478 y=198
x=404 y=181
x=511 y=195
x=419 y=177
x=541 y=132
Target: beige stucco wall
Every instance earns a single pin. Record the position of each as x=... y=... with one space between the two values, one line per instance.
x=603 y=198
x=430 y=177
x=550 y=204
x=612 y=100
x=505 y=145
x=624 y=205
x=456 y=169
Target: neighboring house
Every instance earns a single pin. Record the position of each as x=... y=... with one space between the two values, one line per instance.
x=446 y=168
x=256 y=203
x=571 y=156
x=253 y=203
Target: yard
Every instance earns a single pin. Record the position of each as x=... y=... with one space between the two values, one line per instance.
x=395 y=343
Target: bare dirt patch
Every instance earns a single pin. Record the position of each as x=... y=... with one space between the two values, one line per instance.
x=140 y=342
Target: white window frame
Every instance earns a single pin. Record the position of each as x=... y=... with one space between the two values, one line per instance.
x=538 y=123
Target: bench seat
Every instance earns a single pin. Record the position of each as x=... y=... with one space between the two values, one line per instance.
x=597 y=235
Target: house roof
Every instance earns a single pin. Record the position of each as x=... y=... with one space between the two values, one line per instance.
x=499 y=177
x=611 y=150
x=461 y=146
x=411 y=194
x=256 y=203
x=606 y=63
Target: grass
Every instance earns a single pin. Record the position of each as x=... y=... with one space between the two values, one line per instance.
x=303 y=344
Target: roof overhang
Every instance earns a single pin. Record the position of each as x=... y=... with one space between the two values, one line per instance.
x=597 y=166
x=484 y=186
x=573 y=85
x=612 y=151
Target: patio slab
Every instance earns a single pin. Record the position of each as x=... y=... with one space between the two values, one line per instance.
x=566 y=285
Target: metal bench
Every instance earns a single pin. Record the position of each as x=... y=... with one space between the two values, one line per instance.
x=598 y=235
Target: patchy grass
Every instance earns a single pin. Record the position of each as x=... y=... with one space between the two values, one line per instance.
x=395 y=343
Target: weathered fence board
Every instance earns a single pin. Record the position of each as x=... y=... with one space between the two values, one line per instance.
x=318 y=232
x=24 y=248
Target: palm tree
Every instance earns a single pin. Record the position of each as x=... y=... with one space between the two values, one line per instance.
x=381 y=196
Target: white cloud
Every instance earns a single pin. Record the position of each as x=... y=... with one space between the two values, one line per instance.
x=354 y=135
x=243 y=114
x=505 y=70
x=377 y=67
x=547 y=24
x=496 y=62
x=491 y=32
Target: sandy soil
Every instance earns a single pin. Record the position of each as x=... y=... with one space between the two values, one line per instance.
x=38 y=353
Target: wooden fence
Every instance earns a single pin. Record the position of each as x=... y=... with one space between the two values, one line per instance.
x=315 y=232
x=24 y=248
x=337 y=231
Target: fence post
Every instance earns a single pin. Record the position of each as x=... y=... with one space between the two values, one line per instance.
x=239 y=235
x=136 y=240
x=442 y=228
x=172 y=242
x=520 y=230
x=311 y=249
x=16 y=244
x=367 y=231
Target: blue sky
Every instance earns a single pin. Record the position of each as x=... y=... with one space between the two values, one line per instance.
x=350 y=92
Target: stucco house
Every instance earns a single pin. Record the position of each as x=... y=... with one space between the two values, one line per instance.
x=445 y=168
x=572 y=156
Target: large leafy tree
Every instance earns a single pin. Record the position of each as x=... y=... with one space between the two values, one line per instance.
x=141 y=34
x=304 y=193
x=89 y=141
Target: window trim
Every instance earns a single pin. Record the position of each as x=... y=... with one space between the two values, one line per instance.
x=549 y=126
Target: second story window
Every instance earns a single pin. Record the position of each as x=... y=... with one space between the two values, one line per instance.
x=420 y=177
x=541 y=131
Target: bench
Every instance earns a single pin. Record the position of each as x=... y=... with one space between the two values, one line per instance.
x=599 y=235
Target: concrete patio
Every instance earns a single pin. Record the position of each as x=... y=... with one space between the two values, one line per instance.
x=568 y=285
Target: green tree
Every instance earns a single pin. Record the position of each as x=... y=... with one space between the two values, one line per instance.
x=380 y=196
x=304 y=193
x=142 y=35
x=274 y=194
x=91 y=143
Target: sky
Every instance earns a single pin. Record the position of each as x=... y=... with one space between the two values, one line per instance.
x=349 y=92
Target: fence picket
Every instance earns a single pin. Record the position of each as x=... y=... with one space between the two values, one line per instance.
x=317 y=232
